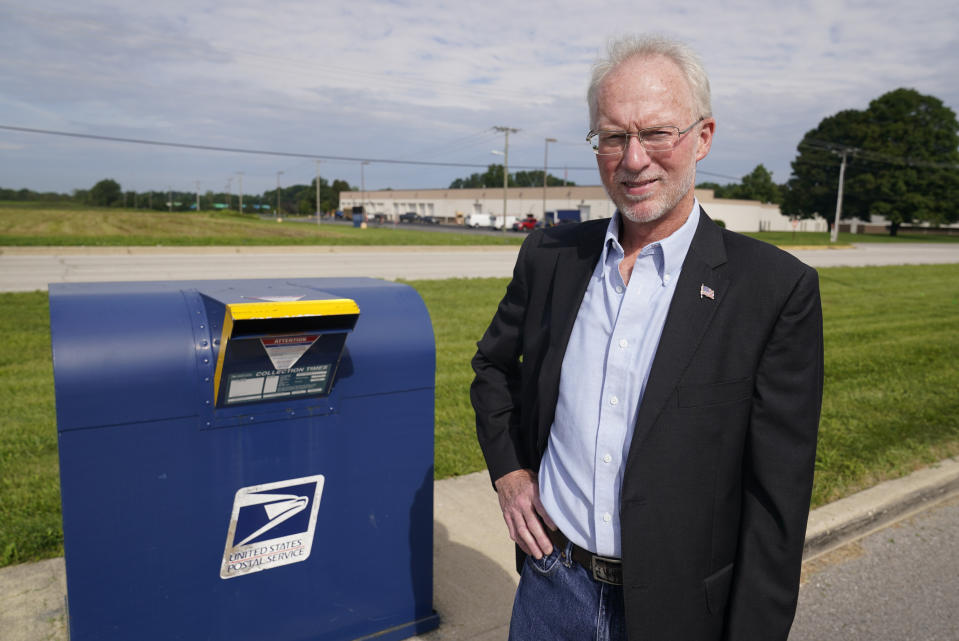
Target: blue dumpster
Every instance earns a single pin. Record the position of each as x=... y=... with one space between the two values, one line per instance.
x=247 y=459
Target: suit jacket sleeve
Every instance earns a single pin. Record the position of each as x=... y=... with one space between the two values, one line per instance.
x=779 y=458
x=495 y=392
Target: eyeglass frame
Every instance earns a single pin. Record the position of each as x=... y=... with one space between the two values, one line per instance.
x=639 y=137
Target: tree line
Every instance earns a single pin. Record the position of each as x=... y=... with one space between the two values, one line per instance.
x=293 y=199
x=756 y=185
x=902 y=163
x=901 y=158
x=493 y=177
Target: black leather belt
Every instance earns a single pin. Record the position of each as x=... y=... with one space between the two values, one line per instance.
x=603 y=568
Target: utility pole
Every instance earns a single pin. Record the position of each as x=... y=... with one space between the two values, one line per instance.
x=363 y=188
x=507 y=131
x=229 y=193
x=169 y=201
x=198 y=196
x=240 y=179
x=319 y=213
x=834 y=236
x=545 y=168
x=277 y=213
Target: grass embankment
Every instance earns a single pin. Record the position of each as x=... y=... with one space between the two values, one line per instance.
x=58 y=226
x=890 y=403
x=68 y=224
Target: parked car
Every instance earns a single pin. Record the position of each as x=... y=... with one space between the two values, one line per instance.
x=410 y=217
x=526 y=224
x=430 y=220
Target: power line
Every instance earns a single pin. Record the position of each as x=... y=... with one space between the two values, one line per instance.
x=875 y=156
x=261 y=152
x=290 y=154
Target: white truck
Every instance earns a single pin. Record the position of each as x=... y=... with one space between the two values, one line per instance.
x=479 y=220
x=510 y=221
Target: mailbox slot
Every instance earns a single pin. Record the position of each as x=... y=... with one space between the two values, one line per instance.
x=281 y=350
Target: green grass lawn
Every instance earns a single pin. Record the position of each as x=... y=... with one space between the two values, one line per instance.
x=75 y=226
x=890 y=405
x=68 y=224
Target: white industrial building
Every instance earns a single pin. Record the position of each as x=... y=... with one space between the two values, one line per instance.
x=455 y=205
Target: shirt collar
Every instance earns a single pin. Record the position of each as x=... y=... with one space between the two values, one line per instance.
x=673 y=248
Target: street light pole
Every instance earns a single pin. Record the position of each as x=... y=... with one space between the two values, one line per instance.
x=505 y=130
x=278 y=174
x=545 y=168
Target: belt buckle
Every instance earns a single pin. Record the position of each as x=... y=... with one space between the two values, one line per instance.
x=607 y=570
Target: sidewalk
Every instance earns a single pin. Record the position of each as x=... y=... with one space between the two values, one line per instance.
x=473 y=557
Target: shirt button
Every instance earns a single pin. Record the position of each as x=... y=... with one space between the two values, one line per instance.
x=623 y=343
x=613 y=400
x=619 y=289
x=607 y=458
x=607 y=517
x=666 y=278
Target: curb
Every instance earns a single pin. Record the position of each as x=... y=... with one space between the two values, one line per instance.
x=853 y=517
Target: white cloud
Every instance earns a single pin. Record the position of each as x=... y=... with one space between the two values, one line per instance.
x=383 y=79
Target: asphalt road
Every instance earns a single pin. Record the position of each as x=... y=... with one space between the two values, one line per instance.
x=28 y=269
x=898 y=584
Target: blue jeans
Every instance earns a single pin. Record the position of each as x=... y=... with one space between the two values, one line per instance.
x=558 y=600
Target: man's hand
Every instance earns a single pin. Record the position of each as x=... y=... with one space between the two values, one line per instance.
x=519 y=499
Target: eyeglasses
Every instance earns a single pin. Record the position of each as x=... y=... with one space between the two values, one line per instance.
x=613 y=143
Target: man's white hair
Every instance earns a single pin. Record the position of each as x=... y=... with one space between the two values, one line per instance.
x=619 y=50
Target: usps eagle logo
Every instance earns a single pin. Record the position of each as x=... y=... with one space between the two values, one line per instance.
x=271 y=525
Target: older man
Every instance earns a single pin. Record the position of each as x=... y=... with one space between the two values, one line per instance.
x=647 y=394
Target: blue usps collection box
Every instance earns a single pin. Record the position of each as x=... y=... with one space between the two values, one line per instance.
x=248 y=459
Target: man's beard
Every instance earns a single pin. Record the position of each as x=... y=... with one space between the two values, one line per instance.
x=664 y=201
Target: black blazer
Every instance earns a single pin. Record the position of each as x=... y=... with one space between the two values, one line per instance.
x=718 y=478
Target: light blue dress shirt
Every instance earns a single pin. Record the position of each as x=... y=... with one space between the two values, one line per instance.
x=601 y=385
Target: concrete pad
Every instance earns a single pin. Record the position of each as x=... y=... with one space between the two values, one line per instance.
x=474 y=568
x=32 y=601
x=474 y=577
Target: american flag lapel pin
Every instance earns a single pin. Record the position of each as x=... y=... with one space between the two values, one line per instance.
x=706 y=292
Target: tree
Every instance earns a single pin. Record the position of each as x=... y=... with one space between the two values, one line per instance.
x=493 y=177
x=756 y=185
x=105 y=193
x=759 y=185
x=902 y=163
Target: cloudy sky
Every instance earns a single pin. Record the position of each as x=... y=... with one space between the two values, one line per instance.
x=419 y=81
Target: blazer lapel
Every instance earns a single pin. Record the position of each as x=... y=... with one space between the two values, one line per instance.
x=689 y=315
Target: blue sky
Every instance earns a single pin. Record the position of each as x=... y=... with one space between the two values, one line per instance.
x=423 y=81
